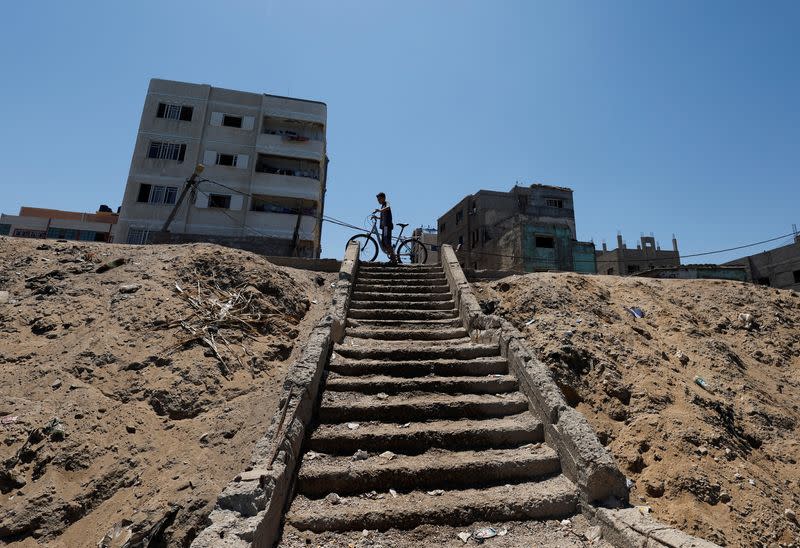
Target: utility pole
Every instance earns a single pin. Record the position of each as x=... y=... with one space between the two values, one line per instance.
x=190 y=183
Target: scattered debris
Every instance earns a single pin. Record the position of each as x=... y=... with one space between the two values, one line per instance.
x=404 y=425
x=333 y=498
x=436 y=492
x=117 y=536
x=529 y=322
x=382 y=395
x=388 y=455
x=311 y=455
x=464 y=537
x=635 y=311
x=790 y=515
x=110 y=265
x=701 y=382
x=5 y=296
x=9 y=419
x=131 y=429
x=484 y=533
x=565 y=522
x=129 y=288
x=393 y=493
x=683 y=358
x=360 y=455
x=56 y=384
x=644 y=510
x=352 y=425
x=502 y=532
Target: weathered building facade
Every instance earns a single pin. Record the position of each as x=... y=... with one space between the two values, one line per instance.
x=779 y=267
x=35 y=222
x=647 y=256
x=267 y=152
x=697 y=272
x=429 y=238
x=527 y=229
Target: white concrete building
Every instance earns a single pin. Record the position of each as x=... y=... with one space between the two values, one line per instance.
x=269 y=151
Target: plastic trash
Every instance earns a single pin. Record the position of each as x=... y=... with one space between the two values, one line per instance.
x=393 y=493
x=406 y=425
x=464 y=537
x=483 y=533
x=436 y=492
x=502 y=532
x=9 y=419
x=701 y=382
x=352 y=425
x=530 y=321
x=636 y=312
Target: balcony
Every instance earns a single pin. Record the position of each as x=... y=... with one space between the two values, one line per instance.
x=291 y=146
x=273 y=184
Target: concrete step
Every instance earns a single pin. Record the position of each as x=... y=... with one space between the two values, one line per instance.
x=380 y=323
x=376 y=384
x=401 y=305
x=445 y=367
x=417 y=437
x=405 y=407
x=399 y=334
x=401 y=275
x=548 y=499
x=407 y=281
x=434 y=469
x=392 y=345
x=432 y=350
x=390 y=314
x=406 y=297
x=400 y=268
x=381 y=287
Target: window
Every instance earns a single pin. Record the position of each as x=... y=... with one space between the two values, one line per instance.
x=166 y=151
x=554 y=202
x=545 y=241
x=796 y=276
x=633 y=269
x=155 y=194
x=175 y=112
x=442 y=227
x=459 y=216
x=137 y=236
x=610 y=271
x=25 y=233
x=222 y=201
x=226 y=159
x=474 y=238
x=231 y=121
x=62 y=233
x=5 y=229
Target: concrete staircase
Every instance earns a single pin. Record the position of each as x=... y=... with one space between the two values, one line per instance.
x=411 y=404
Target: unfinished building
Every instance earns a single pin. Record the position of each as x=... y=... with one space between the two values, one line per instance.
x=36 y=222
x=779 y=267
x=648 y=255
x=527 y=229
x=268 y=154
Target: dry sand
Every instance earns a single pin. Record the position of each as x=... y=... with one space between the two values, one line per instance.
x=106 y=418
x=719 y=463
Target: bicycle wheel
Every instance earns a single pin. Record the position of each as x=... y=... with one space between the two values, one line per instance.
x=411 y=251
x=368 y=247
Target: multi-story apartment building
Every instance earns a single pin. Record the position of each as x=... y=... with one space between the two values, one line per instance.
x=35 y=222
x=779 y=267
x=526 y=229
x=648 y=255
x=263 y=186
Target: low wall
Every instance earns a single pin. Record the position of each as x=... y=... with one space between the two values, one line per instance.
x=249 y=509
x=583 y=458
x=315 y=265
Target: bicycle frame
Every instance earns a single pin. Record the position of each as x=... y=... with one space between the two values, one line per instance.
x=374 y=232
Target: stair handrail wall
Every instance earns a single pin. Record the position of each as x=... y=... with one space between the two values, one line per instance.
x=248 y=512
x=584 y=460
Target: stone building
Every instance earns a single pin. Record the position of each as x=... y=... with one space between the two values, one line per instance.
x=268 y=151
x=779 y=267
x=648 y=255
x=35 y=222
x=527 y=229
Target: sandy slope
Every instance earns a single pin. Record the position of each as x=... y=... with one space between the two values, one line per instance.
x=117 y=422
x=720 y=463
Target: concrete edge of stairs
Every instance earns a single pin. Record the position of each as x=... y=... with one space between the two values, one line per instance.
x=602 y=486
x=249 y=510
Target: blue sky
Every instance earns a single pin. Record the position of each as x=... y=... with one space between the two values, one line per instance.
x=667 y=117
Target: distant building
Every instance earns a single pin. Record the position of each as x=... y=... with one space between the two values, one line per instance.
x=779 y=267
x=697 y=272
x=647 y=256
x=34 y=222
x=268 y=151
x=527 y=229
x=429 y=238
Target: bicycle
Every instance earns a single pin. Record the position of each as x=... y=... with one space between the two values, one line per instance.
x=409 y=250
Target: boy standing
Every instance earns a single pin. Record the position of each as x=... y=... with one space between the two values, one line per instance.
x=386 y=226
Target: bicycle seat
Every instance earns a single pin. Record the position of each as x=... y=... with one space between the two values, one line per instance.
x=402 y=225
